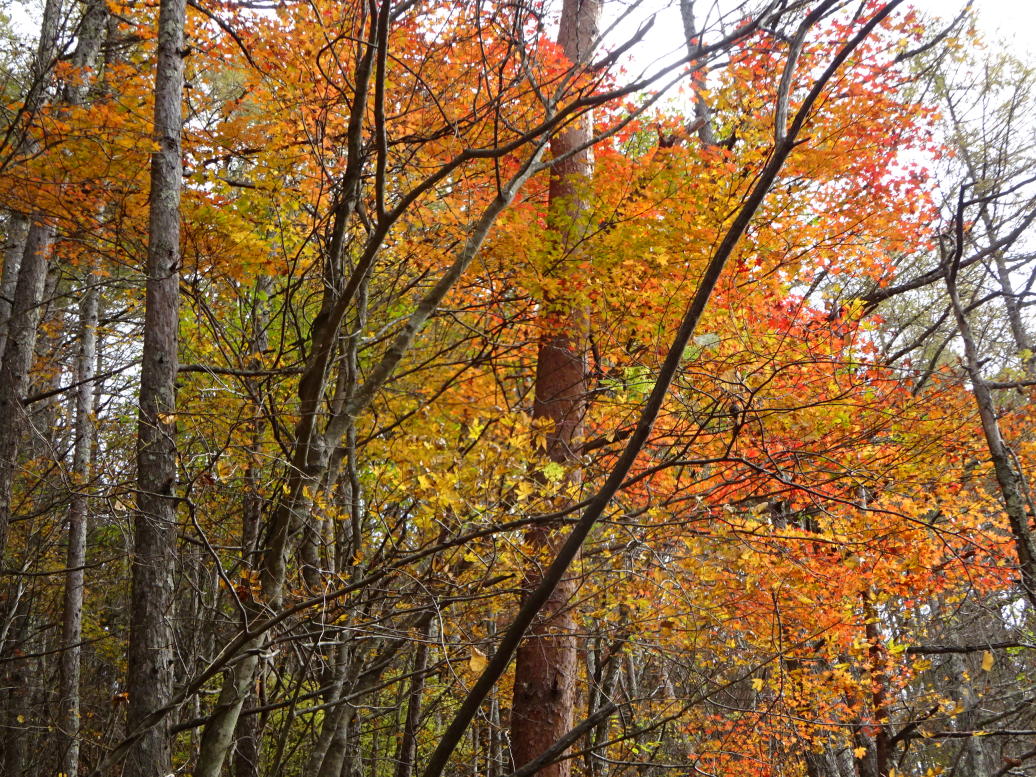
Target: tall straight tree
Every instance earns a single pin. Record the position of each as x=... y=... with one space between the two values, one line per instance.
x=92 y=27
x=545 y=664
x=25 y=272
x=150 y=680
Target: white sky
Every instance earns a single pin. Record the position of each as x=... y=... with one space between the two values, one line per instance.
x=1012 y=21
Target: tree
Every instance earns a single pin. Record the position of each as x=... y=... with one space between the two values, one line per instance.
x=426 y=410
x=150 y=679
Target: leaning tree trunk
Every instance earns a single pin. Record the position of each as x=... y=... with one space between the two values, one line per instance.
x=1013 y=488
x=150 y=676
x=545 y=664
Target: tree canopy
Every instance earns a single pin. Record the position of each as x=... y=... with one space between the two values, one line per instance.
x=552 y=387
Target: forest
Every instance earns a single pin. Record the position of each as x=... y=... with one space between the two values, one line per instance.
x=498 y=388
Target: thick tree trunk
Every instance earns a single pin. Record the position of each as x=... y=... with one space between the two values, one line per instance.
x=17 y=361
x=546 y=663
x=14 y=248
x=150 y=677
x=18 y=333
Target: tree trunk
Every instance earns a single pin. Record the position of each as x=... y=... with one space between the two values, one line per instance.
x=1013 y=491
x=406 y=753
x=150 y=677
x=17 y=697
x=72 y=620
x=17 y=235
x=17 y=361
x=545 y=664
x=18 y=333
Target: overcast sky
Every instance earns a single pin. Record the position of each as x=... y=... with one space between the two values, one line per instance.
x=1013 y=20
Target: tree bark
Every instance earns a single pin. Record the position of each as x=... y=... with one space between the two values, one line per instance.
x=91 y=30
x=546 y=663
x=19 y=334
x=406 y=752
x=17 y=361
x=150 y=676
x=1013 y=490
x=17 y=234
x=72 y=620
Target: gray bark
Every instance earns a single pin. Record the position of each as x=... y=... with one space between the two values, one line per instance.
x=150 y=675
x=91 y=30
x=72 y=620
x=406 y=752
x=17 y=234
x=17 y=360
x=1012 y=485
x=24 y=275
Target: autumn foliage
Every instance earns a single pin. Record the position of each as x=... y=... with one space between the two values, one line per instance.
x=371 y=261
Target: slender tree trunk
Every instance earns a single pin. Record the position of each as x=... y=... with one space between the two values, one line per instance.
x=406 y=753
x=72 y=620
x=15 y=680
x=91 y=30
x=1013 y=490
x=546 y=663
x=150 y=678
x=879 y=687
x=248 y=729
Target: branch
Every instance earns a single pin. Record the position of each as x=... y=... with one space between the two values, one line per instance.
x=596 y=507
x=943 y=650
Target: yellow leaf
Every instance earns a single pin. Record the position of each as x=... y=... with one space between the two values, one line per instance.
x=757 y=683
x=20 y=718
x=477 y=661
x=987 y=661
x=860 y=752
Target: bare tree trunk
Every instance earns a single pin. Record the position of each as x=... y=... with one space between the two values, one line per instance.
x=19 y=334
x=15 y=680
x=91 y=30
x=150 y=677
x=17 y=234
x=72 y=620
x=1013 y=491
x=406 y=753
x=247 y=730
x=17 y=361
x=546 y=663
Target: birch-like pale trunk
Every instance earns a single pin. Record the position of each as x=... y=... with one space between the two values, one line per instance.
x=17 y=360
